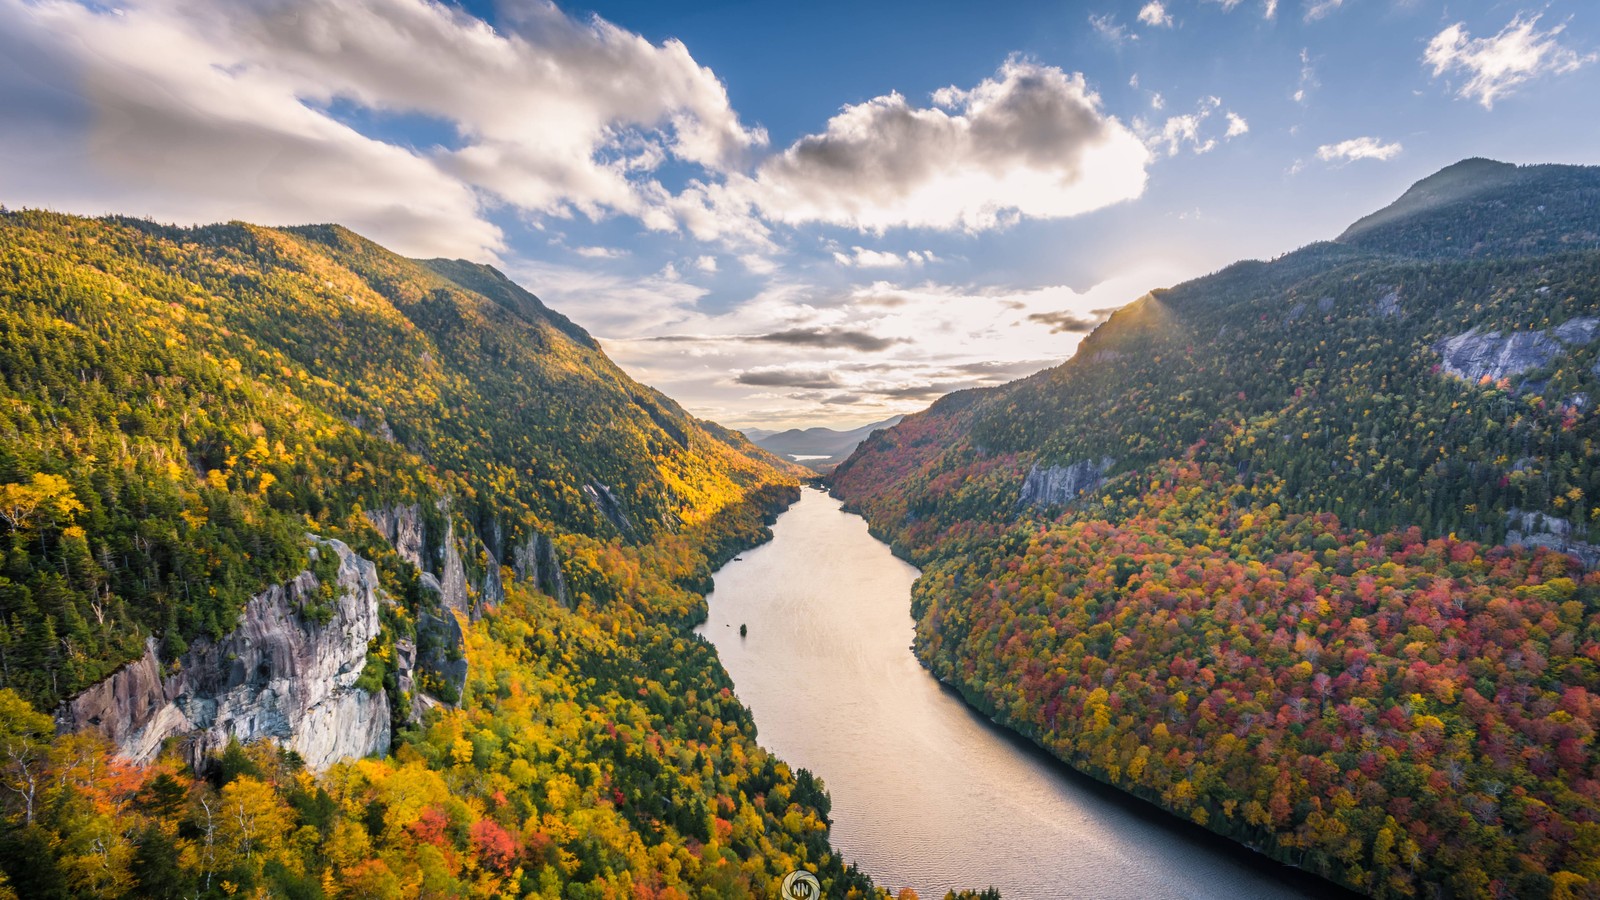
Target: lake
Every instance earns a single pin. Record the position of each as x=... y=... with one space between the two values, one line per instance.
x=927 y=793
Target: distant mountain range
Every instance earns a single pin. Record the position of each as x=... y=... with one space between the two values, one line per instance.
x=816 y=448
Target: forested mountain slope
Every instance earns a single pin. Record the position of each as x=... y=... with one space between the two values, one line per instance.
x=1244 y=554
x=193 y=419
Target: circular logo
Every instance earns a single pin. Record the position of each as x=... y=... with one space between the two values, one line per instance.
x=800 y=885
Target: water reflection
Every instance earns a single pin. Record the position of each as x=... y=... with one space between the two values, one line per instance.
x=926 y=793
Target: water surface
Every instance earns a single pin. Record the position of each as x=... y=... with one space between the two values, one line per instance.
x=926 y=793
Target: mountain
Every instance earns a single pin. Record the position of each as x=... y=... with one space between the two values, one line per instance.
x=816 y=448
x=1301 y=550
x=275 y=498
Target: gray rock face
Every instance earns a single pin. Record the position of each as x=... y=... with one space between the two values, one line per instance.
x=1055 y=485
x=278 y=676
x=493 y=592
x=535 y=561
x=402 y=527
x=1472 y=356
x=602 y=497
x=1389 y=303
x=437 y=559
x=453 y=579
x=1578 y=331
x=1536 y=529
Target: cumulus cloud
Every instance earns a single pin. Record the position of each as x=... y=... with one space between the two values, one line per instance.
x=1155 y=15
x=192 y=111
x=1358 y=148
x=1033 y=141
x=1495 y=66
x=1237 y=125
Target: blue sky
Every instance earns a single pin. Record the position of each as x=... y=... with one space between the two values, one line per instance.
x=791 y=214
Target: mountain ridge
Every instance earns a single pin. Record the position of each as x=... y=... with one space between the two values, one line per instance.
x=1244 y=554
x=238 y=459
x=831 y=445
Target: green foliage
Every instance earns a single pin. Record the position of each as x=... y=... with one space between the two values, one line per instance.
x=180 y=408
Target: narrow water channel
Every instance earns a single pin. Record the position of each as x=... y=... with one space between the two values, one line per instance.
x=927 y=793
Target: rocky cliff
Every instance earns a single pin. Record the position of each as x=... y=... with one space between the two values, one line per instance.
x=438 y=651
x=278 y=676
x=1052 y=485
x=1474 y=355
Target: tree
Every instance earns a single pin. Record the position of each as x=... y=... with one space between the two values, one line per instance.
x=43 y=494
x=25 y=735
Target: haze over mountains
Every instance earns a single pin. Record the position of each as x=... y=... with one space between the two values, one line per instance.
x=817 y=448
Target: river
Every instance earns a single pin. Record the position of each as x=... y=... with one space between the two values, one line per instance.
x=927 y=793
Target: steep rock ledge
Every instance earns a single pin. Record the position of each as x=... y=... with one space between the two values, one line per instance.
x=1054 y=485
x=436 y=658
x=277 y=676
x=1472 y=356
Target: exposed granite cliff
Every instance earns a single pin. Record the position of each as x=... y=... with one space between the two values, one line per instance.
x=535 y=561
x=1472 y=356
x=461 y=597
x=606 y=501
x=277 y=676
x=1536 y=529
x=437 y=557
x=1052 y=485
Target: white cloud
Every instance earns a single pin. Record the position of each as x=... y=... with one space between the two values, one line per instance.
x=795 y=354
x=1317 y=9
x=863 y=258
x=1157 y=101
x=757 y=264
x=706 y=263
x=1237 y=125
x=1269 y=8
x=1308 y=78
x=1155 y=15
x=1178 y=132
x=192 y=111
x=1033 y=141
x=1358 y=148
x=600 y=252
x=1111 y=30
x=608 y=304
x=1497 y=65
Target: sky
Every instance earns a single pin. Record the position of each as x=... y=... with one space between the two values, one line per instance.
x=787 y=214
